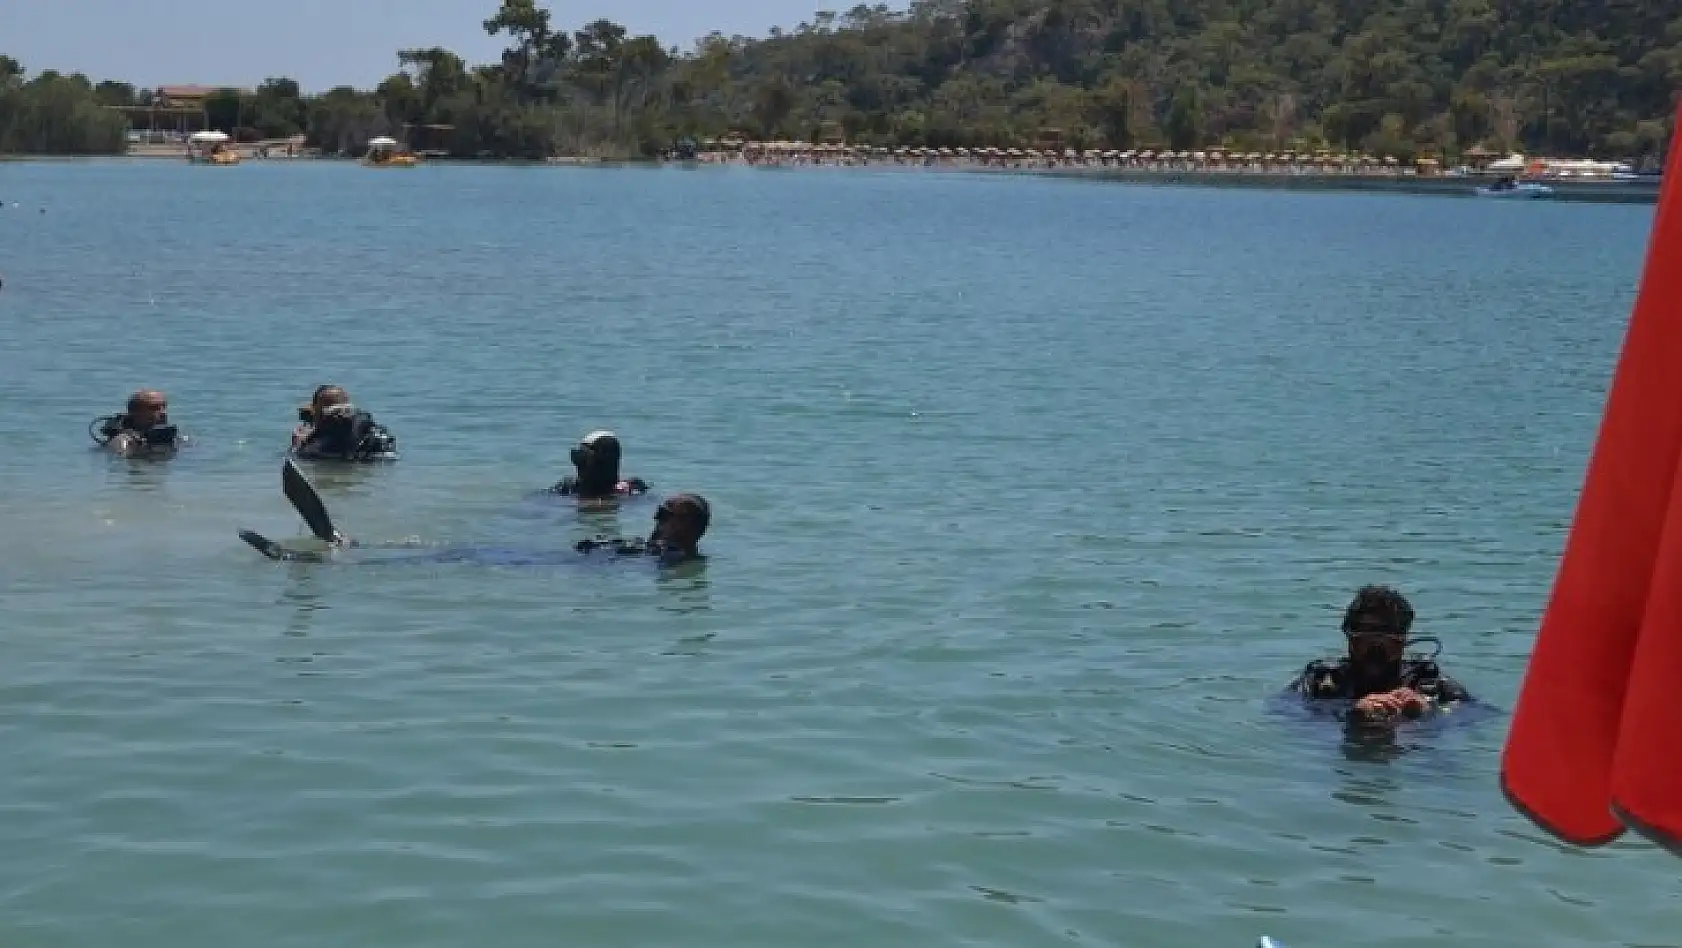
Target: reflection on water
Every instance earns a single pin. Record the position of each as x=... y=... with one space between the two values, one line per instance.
x=603 y=519
x=206 y=748
x=1371 y=743
x=303 y=595
x=143 y=474
x=341 y=478
x=683 y=588
x=1366 y=787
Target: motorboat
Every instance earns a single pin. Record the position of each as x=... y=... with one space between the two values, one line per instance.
x=211 y=147
x=384 y=152
x=1516 y=189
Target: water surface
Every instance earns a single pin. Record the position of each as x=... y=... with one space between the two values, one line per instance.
x=1028 y=494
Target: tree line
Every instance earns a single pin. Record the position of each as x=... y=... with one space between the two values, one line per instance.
x=1400 y=77
x=54 y=115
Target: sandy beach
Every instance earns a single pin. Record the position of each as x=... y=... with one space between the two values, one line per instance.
x=1322 y=172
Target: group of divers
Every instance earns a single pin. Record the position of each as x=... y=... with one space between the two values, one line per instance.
x=1376 y=682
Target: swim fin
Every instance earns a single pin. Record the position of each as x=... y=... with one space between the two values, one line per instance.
x=275 y=551
x=263 y=544
x=307 y=502
x=1557 y=765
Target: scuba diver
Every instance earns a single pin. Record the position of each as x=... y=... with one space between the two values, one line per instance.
x=596 y=460
x=1383 y=682
x=679 y=523
x=333 y=429
x=141 y=431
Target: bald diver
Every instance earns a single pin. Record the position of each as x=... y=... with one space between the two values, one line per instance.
x=595 y=462
x=680 y=522
x=142 y=430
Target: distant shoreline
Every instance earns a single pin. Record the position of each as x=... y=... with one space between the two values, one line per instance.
x=180 y=156
x=1639 y=191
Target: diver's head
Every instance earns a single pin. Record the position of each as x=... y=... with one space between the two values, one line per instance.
x=679 y=523
x=147 y=408
x=596 y=459
x=1376 y=626
x=326 y=396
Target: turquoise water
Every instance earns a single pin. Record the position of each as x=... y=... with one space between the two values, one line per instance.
x=1028 y=494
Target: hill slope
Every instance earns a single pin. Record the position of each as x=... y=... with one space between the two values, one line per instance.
x=1399 y=77
x=1396 y=76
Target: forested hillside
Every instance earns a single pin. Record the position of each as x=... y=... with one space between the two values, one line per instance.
x=1402 y=77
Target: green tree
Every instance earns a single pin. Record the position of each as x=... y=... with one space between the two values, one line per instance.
x=110 y=92
x=277 y=110
x=226 y=111
x=530 y=63
x=1184 y=123
x=55 y=114
x=1401 y=77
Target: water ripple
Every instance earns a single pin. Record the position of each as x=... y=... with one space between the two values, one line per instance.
x=1013 y=543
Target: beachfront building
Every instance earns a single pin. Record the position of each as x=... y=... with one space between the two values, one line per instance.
x=189 y=97
x=175 y=112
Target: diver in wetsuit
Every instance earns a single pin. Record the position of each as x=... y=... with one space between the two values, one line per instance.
x=141 y=431
x=595 y=459
x=333 y=429
x=1376 y=673
x=679 y=523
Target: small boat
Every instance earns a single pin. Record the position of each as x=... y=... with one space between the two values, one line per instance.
x=211 y=148
x=1516 y=189
x=384 y=152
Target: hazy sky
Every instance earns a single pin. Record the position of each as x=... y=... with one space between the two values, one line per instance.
x=323 y=43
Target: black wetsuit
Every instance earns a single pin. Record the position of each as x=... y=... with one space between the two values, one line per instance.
x=357 y=437
x=629 y=487
x=155 y=440
x=1332 y=679
x=668 y=555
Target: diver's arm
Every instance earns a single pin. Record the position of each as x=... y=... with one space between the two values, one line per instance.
x=1390 y=705
x=618 y=545
x=304 y=441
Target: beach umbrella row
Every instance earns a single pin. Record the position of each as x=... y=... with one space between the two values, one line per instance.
x=1216 y=155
